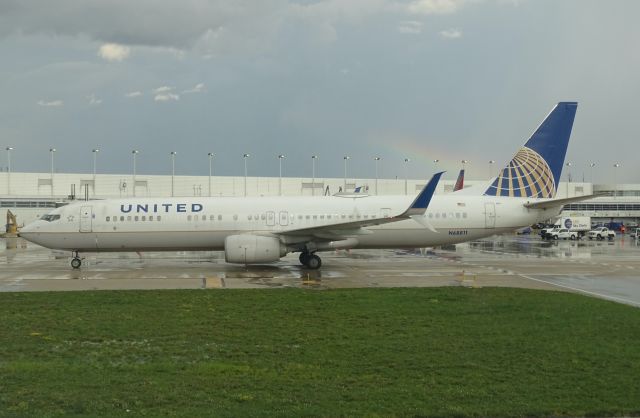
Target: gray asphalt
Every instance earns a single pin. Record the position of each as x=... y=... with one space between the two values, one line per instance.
x=609 y=270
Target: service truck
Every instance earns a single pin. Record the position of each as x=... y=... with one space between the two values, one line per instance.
x=580 y=225
x=602 y=233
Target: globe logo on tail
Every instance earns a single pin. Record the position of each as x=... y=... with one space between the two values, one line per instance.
x=527 y=175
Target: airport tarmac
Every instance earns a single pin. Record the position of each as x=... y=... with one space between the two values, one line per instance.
x=609 y=270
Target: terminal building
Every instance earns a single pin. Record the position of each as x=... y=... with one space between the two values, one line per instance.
x=31 y=195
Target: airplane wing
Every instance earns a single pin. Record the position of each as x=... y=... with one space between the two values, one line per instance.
x=353 y=228
x=555 y=203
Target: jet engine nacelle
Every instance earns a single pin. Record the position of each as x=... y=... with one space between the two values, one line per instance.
x=246 y=249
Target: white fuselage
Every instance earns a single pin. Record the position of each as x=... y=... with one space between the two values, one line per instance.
x=169 y=224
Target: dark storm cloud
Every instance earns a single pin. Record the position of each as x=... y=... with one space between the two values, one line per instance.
x=177 y=24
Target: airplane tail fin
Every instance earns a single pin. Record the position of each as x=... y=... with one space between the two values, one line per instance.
x=535 y=170
x=460 y=182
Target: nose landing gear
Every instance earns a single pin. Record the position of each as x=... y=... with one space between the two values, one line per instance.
x=76 y=261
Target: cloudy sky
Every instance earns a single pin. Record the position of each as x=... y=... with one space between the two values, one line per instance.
x=418 y=79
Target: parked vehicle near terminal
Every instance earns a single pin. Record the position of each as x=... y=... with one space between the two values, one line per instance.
x=578 y=224
x=635 y=233
x=563 y=233
x=602 y=233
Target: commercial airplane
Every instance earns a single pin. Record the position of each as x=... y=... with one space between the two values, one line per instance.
x=264 y=229
x=459 y=182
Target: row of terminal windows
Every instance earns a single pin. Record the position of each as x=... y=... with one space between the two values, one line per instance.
x=602 y=206
x=26 y=204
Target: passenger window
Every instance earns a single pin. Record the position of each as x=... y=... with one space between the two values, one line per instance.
x=144 y=218
x=212 y=217
x=350 y=216
x=235 y=217
x=437 y=215
x=151 y=218
x=249 y=217
x=299 y=216
x=108 y=218
x=204 y=217
x=308 y=217
x=263 y=217
x=457 y=215
x=430 y=215
x=135 y=218
x=366 y=216
x=122 y=219
x=219 y=217
x=159 y=218
x=464 y=214
x=343 y=216
x=328 y=216
x=321 y=216
x=444 y=215
x=315 y=216
x=128 y=218
x=188 y=217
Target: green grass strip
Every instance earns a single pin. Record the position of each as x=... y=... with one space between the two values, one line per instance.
x=359 y=352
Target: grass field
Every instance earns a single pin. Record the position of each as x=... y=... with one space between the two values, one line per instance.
x=386 y=352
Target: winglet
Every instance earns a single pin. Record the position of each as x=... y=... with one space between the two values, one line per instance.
x=421 y=202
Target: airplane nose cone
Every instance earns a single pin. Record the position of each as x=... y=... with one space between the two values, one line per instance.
x=28 y=231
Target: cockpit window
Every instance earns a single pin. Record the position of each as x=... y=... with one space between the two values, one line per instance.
x=50 y=218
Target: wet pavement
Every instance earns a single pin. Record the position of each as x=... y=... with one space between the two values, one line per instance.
x=609 y=270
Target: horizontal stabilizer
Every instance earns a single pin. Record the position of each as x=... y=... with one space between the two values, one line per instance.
x=556 y=203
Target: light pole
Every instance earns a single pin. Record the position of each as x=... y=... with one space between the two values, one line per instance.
x=95 y=152
x=591 y=165
x=345 y=158
x=245 y=156
x=173 y=170
x=313 y=174
x=491 y=162
x=376 y=159
x=406 y=175
x=134 y=153
x=615 y=180
x=280 y=158
x=211 y=155
x=568 y=176
x=52 y=151
x=9 y=169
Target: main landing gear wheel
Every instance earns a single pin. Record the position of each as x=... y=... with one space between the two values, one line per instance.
x=311 y=261
x=314 y=262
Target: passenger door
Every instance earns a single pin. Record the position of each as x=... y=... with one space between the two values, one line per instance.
x=86 y=218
